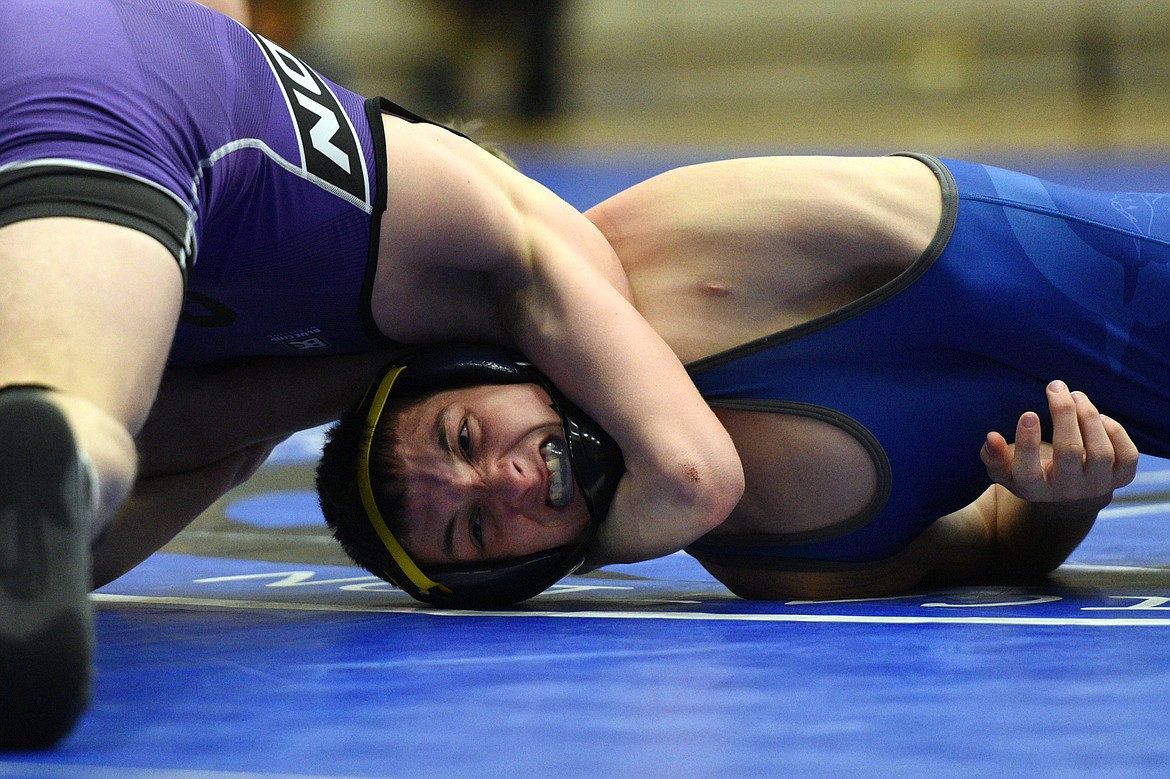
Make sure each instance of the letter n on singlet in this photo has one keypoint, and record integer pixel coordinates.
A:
(330, 149)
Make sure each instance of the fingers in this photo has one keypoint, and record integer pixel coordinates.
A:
(1110, 455)
(1027, 475)
(1125, 452)
(1068, 448)
(1098, 449)
(1018, 466)
(1090, 455)
(997, 456)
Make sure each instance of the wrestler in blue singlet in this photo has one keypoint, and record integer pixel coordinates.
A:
(262, 177)
(1026, 282)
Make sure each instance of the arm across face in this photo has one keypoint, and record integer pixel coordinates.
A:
(649, 401)
(512, 264)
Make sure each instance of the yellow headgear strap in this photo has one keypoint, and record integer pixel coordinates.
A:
(412, 571)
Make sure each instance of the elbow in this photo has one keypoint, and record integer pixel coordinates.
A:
(709, 489)
(732, 486)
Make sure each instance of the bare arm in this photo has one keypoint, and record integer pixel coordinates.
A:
(161, 506)
(511, 262)
(683, 475)
(210, 430)
(203, 415)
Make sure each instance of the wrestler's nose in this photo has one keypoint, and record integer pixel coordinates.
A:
(512, 486)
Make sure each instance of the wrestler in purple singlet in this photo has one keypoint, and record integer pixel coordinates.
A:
(261, 176)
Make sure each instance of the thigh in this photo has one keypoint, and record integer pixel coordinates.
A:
(88, 308)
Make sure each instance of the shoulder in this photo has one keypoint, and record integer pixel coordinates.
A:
(446, 199)
(461, 228)
(445, 191)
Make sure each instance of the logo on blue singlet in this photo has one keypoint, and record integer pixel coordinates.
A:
(330, 149)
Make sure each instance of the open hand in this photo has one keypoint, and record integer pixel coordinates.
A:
(1090, 455)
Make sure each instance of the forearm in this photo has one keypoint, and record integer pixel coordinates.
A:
(1033, 539)
(203, 415)
(161, 506)
(683, 472)
(998, 538)
(210, 430)
(648, 521)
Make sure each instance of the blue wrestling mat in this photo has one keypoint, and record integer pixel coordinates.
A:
(220, 667)
(251, 649)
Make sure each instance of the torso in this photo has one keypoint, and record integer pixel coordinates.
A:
(879, 396)
(696, 266)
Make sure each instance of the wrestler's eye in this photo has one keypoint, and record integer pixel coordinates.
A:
(476, 527)
(463, 438)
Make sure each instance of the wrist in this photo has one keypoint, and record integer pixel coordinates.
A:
(1068, 509)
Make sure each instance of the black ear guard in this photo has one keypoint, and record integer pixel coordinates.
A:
(595, 459)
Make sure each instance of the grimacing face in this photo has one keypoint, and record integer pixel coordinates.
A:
(487, 475)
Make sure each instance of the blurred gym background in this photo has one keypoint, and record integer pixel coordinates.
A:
(957, 77)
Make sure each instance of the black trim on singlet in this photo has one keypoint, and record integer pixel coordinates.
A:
(767, 550)
(44, 190)
(366, 308)
(942, 236)
(389, 107)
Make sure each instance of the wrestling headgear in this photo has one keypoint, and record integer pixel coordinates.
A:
(594, 457)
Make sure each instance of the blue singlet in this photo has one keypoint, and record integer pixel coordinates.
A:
(1027, 281)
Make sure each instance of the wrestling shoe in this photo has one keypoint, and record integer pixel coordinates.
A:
(46, 623)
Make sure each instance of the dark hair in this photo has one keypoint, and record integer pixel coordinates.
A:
(337, 484)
